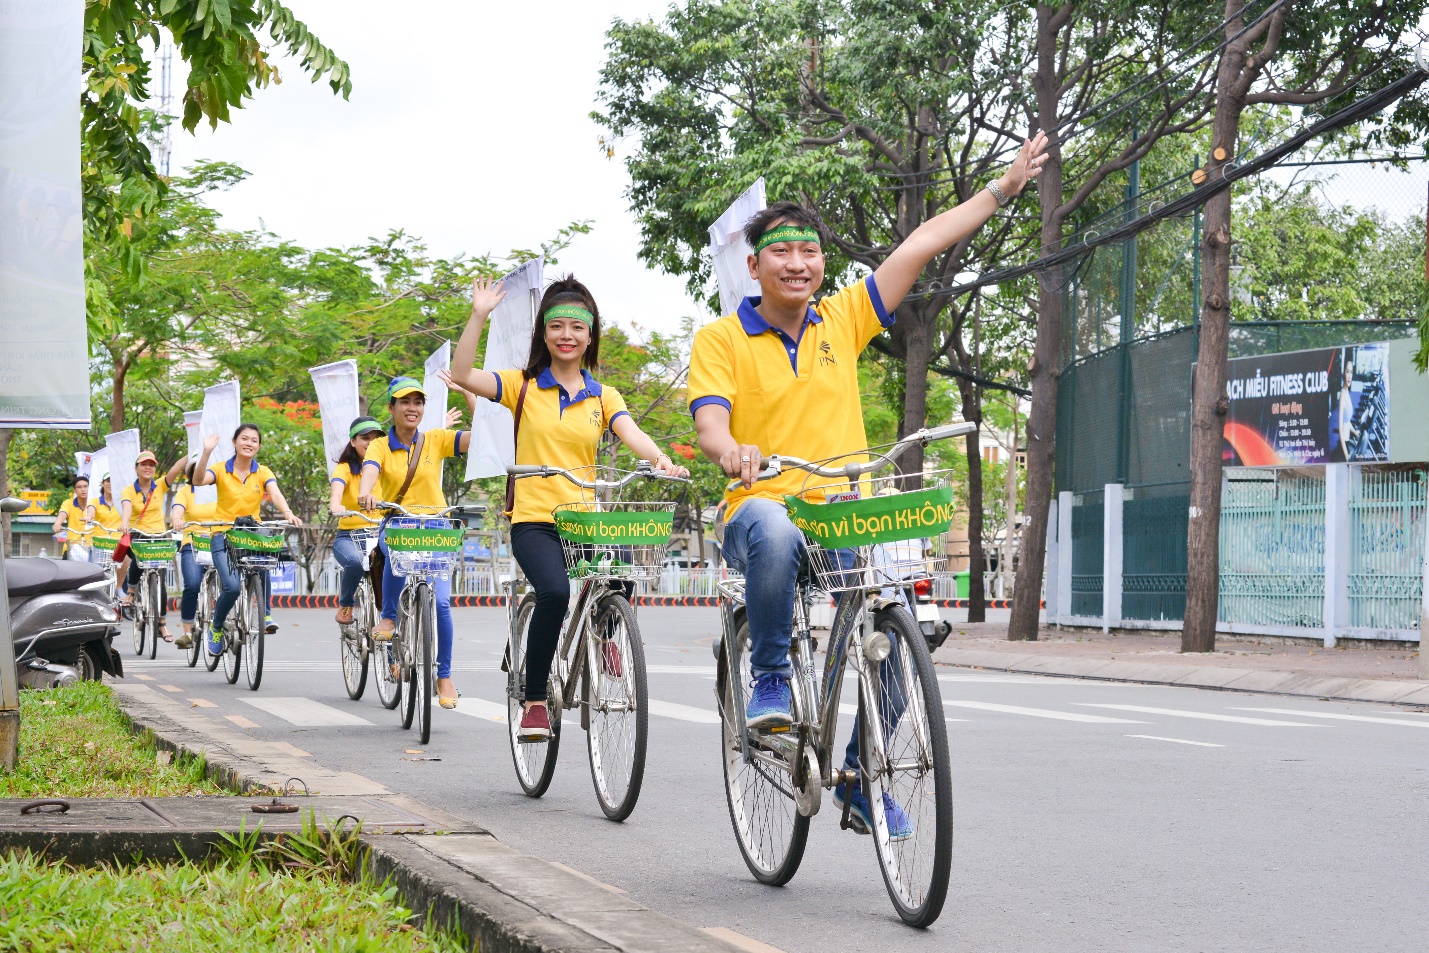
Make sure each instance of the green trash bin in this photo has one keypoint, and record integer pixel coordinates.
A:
(962, 581)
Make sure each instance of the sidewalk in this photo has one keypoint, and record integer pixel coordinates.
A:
(1372, 675)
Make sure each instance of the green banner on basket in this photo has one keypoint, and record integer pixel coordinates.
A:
(582, 526)
(878, 519)
(202, 544)
(105, 544)
(154, 549)
(413, 540)
(254, 542)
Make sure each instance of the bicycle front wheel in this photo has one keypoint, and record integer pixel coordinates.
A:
(352, 646)
(141, 618)
(154, 591)
(616, 696)
(768, 827)
(535, 761)
(253, 638)
(904, 767)
(423, 685)
(203, 618)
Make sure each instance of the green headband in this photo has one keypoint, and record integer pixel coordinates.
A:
(570, 311)
(786, 233)
(363, 426)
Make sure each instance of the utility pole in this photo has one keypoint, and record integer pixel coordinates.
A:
(9, 685)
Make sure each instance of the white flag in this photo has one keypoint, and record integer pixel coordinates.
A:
(98, 470)
(222, 413)
(82, 463)
(508, 345)
(731, 252)
(434, 417)
(123, 450)
(338, 403)
(193, 430)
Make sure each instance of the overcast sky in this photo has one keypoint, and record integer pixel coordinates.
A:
(468, 125)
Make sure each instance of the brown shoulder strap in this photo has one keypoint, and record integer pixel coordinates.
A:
(413, 459)
(515, 435)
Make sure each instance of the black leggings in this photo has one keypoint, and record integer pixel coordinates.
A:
(537, 549)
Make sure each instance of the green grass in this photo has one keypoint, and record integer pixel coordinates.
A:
(75, 742)
(236, 905)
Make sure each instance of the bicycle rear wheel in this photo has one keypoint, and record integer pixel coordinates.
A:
(203, 617)
(535, 761)
(768, 827)
(914, 852)
(402, 645)
(141, 619)
(423, 670)
(154, 592)
(617, 707)
(253, 640)
(352, 646)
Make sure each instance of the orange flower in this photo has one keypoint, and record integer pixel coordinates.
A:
(684, 450)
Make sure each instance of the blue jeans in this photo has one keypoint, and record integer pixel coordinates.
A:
(348, 554)
(229, 580)
(193, 578)
(391, 595)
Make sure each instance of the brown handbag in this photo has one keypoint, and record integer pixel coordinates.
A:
(515, 434)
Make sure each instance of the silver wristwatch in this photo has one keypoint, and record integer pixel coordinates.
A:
(1002, 197)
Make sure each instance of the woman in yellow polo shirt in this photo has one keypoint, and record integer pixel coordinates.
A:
(102, 512)
(562, 420)
(141, 508)
(346, 481)
(186, 509)
(241, 483)
(384, 470)
(71, 518)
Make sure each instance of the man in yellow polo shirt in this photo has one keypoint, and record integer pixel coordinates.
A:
(70, 518)
(780, 376)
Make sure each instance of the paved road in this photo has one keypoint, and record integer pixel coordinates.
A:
(1090, 816)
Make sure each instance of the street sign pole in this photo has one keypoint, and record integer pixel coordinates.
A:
(9, 685)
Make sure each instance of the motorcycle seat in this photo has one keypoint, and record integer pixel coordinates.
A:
(36, 575)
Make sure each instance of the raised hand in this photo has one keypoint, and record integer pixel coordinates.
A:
(1027, 166)
(453, 418)
(210, 443)
(445, 376)
(486, 294)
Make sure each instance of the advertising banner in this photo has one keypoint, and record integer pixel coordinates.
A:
(508, 345)
(336, 386)
(222, 413)
(193, 431)
(1329, 405)
(731, 252)
(44, 347)
(123, 451)
(434, 417)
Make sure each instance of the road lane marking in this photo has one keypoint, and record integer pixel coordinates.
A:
(201, 703)
(700, 716)
(143, 678)
(1045, 713)
(1179, 741)
(171, 688)
(739, 940)
(1338, 717)
(242, 722)
(1204, 716)
(481, 708)
(304, 712)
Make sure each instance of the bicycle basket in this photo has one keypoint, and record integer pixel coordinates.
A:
(875, 534)
(422, 544)
(203, 549)
(257, 547)
(154, 553)
(625, 540)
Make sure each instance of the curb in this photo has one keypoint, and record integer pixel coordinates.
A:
(1251, 681)
(455, 874)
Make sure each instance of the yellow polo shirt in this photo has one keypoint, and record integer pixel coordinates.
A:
(391, 456)
(152, 521)
(350, 481)
(74, 521)
(106, 515)
(793, 397)
(557, 430)
(240, 494)
(194, 513)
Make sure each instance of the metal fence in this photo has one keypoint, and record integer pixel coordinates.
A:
(1386, 549)
(1153, 581)
(1272, 557)
(1088, 532)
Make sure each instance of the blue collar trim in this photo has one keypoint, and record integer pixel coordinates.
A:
(395, 443)
(754, 323)
(546, 380)
(234, 459)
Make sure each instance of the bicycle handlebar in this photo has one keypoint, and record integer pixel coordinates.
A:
(643, 469)
(851, 471)
(463, 508)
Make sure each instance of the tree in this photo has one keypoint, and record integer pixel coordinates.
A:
(1294, 54)
(879, 114)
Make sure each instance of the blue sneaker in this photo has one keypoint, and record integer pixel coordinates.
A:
(215, 640)
(899, 826)
(269, 626)
(769, 703)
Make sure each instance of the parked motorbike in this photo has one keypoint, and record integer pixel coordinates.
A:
(63, 621)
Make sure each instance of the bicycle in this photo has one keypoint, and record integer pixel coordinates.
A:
(356, 647)
(600, 661)
(207, 596)
(774, 779)
(419, 548)
(255, 550)
(152, 553)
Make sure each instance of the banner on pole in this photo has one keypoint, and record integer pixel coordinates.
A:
(193, 432)
(82, 463)
(338, 403)
(508, 345)
(731, 252)
(44, 351)
(98, 470)
(222, 413)
(434, 417)
(123, 451)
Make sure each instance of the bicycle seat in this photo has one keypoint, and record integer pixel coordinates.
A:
(37, 575)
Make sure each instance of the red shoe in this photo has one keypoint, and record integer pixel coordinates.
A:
(535, 724)
(610, 658)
